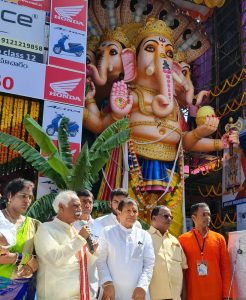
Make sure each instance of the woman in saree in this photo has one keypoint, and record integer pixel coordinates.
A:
(17, 263)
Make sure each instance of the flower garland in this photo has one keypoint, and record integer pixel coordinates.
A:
(234, 106)
(212, 191)
(228, 84)
(221, 222)
(13, 111)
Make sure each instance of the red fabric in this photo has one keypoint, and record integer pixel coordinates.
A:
(84, 283)
(215, 285)
(111, 175)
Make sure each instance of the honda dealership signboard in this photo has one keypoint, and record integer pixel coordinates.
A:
(67, 43)
(22, 32)
(67, 48)
(52, 116)
(66, 86)
(69, 13)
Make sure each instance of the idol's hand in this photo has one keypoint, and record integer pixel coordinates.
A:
(120, 100)
(138, 294)
(228, 138)
(92, 89)
(208, 128)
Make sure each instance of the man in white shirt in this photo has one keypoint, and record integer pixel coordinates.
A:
(115, 198)
(58, 246)
(86, 200)
(125, 257)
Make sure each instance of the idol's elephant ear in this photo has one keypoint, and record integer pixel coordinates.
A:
(129, 64)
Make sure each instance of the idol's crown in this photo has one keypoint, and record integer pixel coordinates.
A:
(92, 43)
(180, 56)
(153, 27)
(118, 34)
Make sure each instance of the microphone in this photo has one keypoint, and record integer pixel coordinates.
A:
(88, 240)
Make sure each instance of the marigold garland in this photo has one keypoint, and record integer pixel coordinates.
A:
(12, 112)
(211, 191)
(228, 84)
(234, 106)
(221, 222)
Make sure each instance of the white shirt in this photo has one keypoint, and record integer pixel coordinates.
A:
(8, 230)
(91, 259)
(126, 257)
(57, 245)
(108, 220)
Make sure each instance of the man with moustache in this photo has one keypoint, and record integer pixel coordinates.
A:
(58, 246)
(115, 197)
(125, 257)
(208, 275)
(170, 260)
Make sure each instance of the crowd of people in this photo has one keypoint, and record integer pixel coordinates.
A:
(111, 258)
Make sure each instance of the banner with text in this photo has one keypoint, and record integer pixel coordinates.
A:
(21, 77)
(37, 4)
(22, 32)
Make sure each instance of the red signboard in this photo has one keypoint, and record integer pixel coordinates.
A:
(37, 4)
(70, 13)
(64, 86)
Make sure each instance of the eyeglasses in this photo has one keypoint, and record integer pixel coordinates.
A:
(166, 216)
(25, 196)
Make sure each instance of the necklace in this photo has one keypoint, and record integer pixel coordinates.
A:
(12, 219)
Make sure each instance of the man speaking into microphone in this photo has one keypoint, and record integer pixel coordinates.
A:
(58, 246)
(86, 199)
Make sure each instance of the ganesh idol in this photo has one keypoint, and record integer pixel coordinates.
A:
(146, 97)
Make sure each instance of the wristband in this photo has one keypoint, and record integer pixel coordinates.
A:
(115, 118)
(19, 258)
(85, 114)
(217, 145)
(196, 136)
(90, 100)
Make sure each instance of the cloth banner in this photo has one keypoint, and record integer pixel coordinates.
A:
(237, 251)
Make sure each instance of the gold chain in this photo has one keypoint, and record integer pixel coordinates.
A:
(141, 102)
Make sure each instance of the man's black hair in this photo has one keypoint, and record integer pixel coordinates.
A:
(84, 193)
(194, 208)
(125, 202)
(118, 192)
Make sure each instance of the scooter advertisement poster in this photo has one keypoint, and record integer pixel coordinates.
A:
(67, 48)
(53, 114)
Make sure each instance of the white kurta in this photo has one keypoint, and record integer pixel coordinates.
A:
(91, 259)
(126, 257)
(57, 245)
(7, 229)
(108, 220)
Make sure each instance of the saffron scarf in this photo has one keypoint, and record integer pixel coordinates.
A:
(84, 283)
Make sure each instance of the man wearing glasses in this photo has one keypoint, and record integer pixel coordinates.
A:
(170, 260)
